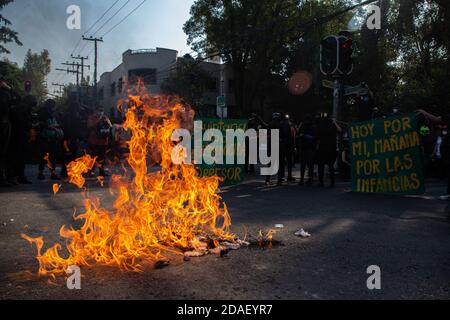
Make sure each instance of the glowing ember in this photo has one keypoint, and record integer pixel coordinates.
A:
(47, 158)
(101, 181)
(154, 213)
(56, 188)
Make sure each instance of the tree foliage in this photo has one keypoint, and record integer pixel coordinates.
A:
(36, 67)
(7, 35)
(266, 41)
(12, 74)
(188, 80)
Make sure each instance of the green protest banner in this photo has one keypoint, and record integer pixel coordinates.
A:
(386, 156)
(233, 173)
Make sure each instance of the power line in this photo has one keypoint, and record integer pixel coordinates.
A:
(90, 28)
(129, 14)
(102, 16)
(115, 14)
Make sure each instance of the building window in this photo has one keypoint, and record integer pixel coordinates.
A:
(113, 89)
(146, 75)
(120, 86)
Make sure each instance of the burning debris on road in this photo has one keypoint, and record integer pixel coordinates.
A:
(155, 213)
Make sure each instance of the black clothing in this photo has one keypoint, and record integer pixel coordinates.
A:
(20, 133)
(445, 149)
(5, 129)
(326, 152)
(308, 144)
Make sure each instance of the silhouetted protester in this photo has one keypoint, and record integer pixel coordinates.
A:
(326, 152)
(308, 144)
(21, 123)
(438, 166)
(445, 146)
(99, 136)
(5, 130)
(275, 124)
(428, 141)
(51, 136)
(287, 148)
(251, 124)
(74, 132)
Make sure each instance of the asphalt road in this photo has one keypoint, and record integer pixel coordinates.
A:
(407, 237)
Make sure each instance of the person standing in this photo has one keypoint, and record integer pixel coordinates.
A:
(20, 136)
(307, 133)
(287, 148)
(50, 137)
(445, 146)
(5, 130)
(326, 152)
(73, 134)
(251, 124)
(99, 136)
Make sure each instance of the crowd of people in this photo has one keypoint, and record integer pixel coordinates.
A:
(315, 143)
(55, 138)
(311, 142)
(319, 141)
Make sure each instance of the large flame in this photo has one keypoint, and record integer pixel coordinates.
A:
(155, 211)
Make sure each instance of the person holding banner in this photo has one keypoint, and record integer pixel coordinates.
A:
(445, 146)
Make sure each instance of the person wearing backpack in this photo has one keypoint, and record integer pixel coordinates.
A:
(99, 137)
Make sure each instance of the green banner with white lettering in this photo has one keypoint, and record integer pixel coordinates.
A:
(386, 156)
(230, 173)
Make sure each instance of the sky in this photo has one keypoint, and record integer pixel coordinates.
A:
(41, 24)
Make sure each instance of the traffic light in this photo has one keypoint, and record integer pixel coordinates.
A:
(27, 86)
(329, 51)
(345, 65)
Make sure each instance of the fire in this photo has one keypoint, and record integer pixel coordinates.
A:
(77, 168)
(56, 188)
(155, 212)
(101, 181)
(47, 158)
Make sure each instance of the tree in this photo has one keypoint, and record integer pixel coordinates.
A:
(36, 67)
(189, 81)
(406, 63)
(256, 37)
(13, 75)
(7, 35)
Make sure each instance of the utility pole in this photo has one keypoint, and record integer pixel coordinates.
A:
(77, 71)
(82, 64)
(95, 40)
(61, 87)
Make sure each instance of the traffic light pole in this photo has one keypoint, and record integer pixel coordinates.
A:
(336, 98)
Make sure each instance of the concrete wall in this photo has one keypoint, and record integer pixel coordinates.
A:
(160, 59)
(164, 61)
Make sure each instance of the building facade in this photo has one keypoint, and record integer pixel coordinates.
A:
(154, 66)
